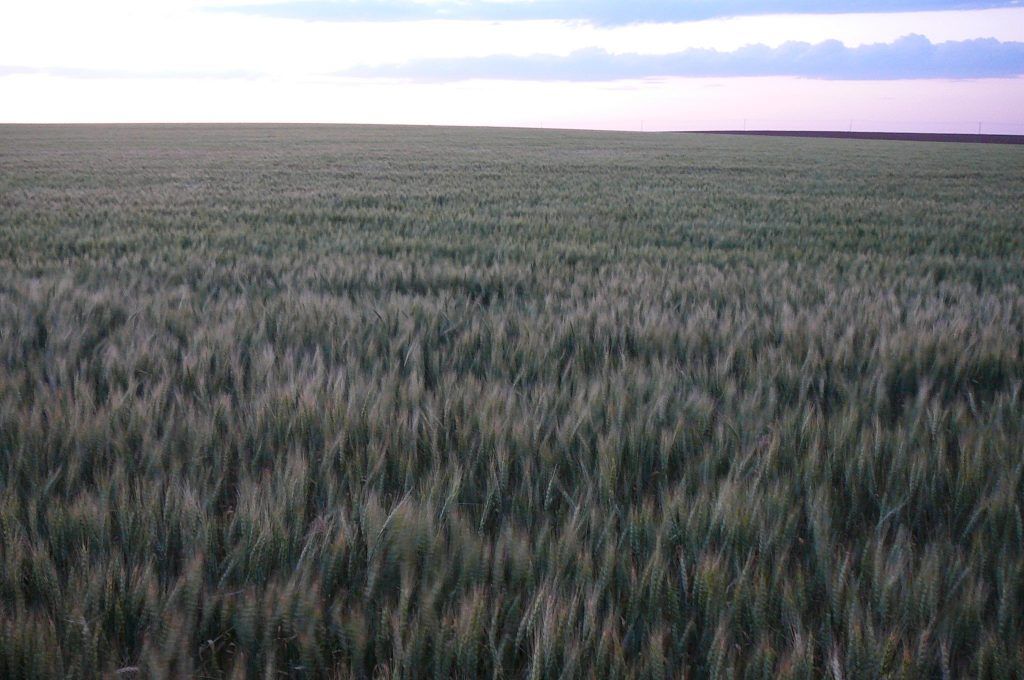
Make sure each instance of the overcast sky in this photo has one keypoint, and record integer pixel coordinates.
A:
(928, 65)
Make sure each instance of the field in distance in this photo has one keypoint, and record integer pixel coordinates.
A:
(428, 402)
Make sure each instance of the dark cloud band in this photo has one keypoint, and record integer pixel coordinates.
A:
(605, 12)
(911, 57)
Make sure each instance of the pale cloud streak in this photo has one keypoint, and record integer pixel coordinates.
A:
(109, 73)
(603, 12)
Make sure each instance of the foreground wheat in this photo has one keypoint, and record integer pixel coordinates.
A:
(452, 403)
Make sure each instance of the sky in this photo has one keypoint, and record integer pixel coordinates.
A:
(915, 65)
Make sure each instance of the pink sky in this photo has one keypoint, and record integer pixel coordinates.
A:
(175, 61)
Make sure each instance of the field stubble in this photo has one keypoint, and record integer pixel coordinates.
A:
(331, 401)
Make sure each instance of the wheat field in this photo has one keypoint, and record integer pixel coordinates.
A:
(452, 403)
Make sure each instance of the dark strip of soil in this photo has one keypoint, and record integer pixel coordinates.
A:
(890, 136)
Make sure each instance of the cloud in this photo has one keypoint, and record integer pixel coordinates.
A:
(603, 12)
(910, 57)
